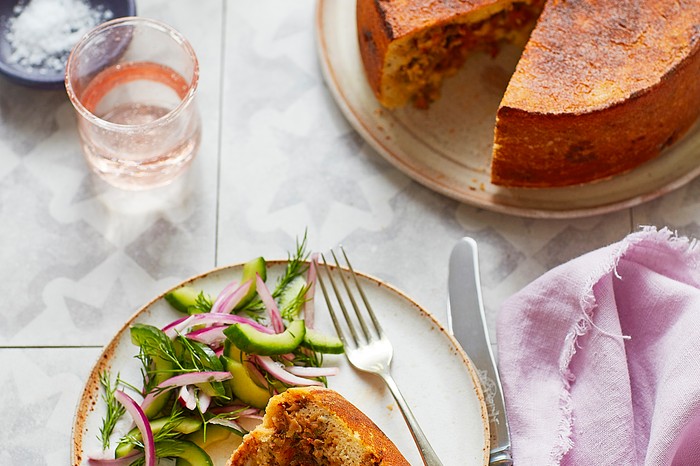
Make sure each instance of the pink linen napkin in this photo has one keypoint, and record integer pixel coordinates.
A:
(600, 357)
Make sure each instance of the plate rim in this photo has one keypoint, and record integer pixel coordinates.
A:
(90, 393)
(343, 103)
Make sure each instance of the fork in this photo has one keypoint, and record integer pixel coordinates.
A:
(370, 350)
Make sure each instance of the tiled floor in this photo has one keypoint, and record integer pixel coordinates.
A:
(77, 257)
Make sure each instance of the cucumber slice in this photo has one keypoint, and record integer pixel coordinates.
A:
(250, 268)
(163, 370)
(250, 340)
(182, 298)
(215, 434)
(322, 342)
(244, 387)
(212, 389)
(231, 351)
(289, 305)
(187, 453)
(184, 425)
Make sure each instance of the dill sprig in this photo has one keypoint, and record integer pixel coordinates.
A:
(203, 304)
(307, 357)
(296, 266)
(146, 363)
(196, 357)
(126, 384)
(292, 308)
(114, 409)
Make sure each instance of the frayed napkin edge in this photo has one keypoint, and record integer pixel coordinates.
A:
(683, 245)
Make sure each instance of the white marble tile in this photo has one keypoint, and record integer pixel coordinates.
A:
(41, 388)
(85, 256)
(289, 160)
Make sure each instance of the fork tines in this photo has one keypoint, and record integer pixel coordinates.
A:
(367, 334)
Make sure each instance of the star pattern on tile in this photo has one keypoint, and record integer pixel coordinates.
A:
(56, 249)
(319, 177)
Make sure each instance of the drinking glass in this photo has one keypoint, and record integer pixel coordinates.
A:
(133, 83)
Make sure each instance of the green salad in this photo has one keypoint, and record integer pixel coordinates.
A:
(216, 365)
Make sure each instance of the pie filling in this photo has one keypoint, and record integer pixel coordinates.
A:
(437, 52)
(302, 436)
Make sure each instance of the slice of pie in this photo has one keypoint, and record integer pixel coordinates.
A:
(315, 427)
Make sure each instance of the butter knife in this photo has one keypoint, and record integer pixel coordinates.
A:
(466, 321)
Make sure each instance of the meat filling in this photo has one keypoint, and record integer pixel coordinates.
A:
(441, 51)
(308, 437)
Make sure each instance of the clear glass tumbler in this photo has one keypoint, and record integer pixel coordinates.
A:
(133, 83)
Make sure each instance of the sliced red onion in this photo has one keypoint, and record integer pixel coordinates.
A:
(191, 378)
(239, 409)
(219, 352)
(142, 424)
(309, 313)
(179, 326)
(253, 413)
(123, 461)
(228, 289)
(209, 319)
(270, 304)
(226, 423)
(226, 305)
(174, 323)
(277, 370)
(312, 371)
(210, 336)
(187, 398)
(204, 401)
(257, 417)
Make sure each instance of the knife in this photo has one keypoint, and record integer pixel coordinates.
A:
(466, 321)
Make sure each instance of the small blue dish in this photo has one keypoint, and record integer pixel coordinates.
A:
(35, 76)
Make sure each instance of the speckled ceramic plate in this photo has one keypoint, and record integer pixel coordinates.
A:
(433, 372)
(448, 147)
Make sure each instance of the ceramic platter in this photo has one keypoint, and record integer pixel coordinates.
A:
(433, 372)
(448, 147)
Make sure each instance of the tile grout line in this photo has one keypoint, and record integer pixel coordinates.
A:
(222, 61)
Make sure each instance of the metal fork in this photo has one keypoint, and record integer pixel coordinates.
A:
(370, 350)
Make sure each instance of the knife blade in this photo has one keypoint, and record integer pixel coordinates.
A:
(467, 322)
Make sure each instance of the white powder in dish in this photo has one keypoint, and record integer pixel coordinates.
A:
(41, 33)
